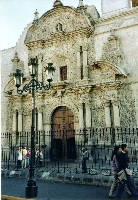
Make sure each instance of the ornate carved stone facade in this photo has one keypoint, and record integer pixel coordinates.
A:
(100, 54)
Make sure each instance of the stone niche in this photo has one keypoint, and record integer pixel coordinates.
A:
(113, 6)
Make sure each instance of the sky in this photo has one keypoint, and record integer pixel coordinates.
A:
(16, 14)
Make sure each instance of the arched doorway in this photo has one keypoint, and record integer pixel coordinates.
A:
(62, 137)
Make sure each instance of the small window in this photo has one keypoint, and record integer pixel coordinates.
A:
(59, 27)
(63, 73)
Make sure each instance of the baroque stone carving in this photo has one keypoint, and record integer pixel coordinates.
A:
(127, 107)
(111, 50)
(62, 17)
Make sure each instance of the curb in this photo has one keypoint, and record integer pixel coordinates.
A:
(5, 197)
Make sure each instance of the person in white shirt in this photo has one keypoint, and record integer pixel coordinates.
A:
(19, 158)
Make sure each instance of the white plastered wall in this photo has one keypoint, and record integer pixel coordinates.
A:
(112, 6)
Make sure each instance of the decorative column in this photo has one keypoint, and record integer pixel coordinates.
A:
(20, 121)
(40, 68)
(81, 116)
(40, 120)
(85, 67)
(14, 121)
(116, 114)
(78, 65)
(107, 114)
(88, 115)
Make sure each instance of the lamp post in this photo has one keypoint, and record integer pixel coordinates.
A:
(33, 86)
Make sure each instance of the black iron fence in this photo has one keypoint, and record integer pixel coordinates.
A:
(62, 149)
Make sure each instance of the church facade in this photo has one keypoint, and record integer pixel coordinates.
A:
(95, 84)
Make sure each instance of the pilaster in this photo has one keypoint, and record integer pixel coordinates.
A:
(107, 114)
(81, 118)
(88, 115)
(20, 120)
(116, 113)
(14, 121)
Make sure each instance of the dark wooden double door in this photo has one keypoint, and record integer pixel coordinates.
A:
(62, 137)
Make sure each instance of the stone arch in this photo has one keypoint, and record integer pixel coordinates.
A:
(62, 133)
(72, 107)
(118, 70)
(106, 72)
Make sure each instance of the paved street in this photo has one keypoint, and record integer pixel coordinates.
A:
(55, 191)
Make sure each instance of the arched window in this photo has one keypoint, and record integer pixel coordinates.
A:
(59, 27)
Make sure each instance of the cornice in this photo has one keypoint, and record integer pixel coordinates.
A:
(109, 85)
(61, 36)
(117, 15)
(59, 85)
(117, 28)
(15, 98)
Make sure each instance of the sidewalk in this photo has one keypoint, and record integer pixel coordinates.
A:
(62, 174)
(95, 177)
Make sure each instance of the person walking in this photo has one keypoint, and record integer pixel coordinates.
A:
(115, 170)
(123, 166)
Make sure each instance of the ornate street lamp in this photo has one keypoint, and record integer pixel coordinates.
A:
(33, 86)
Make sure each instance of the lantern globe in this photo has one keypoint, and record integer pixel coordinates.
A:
(33, 66)
(49, 72)
(18, 78)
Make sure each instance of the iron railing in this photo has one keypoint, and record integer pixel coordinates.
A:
(61, 151)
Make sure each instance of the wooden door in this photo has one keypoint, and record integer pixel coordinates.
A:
(63, 139)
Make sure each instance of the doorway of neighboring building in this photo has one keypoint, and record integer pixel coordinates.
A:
(62, 137)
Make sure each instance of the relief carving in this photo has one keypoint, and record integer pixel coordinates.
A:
(111, 50)
(127, 107)
(58, 20)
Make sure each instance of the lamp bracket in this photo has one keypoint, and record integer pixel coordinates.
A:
(37, 85)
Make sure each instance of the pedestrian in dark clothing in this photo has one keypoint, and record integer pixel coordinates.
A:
(84, 158)
(123, 166)
(115, 170)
